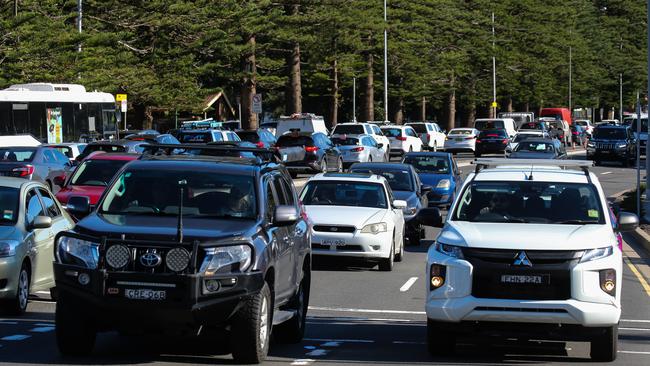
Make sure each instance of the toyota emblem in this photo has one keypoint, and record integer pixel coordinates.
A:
(150, 259)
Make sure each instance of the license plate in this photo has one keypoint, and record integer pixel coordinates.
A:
(526, 279)
(604, 151)
(459, 140)
(335, 243)
(145, 294)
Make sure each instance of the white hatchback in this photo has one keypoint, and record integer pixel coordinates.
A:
(528, 249)
(461, 139)
(403, 139)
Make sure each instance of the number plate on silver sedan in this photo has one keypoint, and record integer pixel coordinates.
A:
(532, 279)
(334, 242)
(145, 294)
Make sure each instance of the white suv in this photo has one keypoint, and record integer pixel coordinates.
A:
(403, 139)
(356, 128)
(431, 135)
(528, 248)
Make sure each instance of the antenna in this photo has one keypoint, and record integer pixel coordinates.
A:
(179, 228)
(530, 176)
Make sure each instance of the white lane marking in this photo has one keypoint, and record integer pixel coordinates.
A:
(635, 321)
(371, 311)
(635, 352)
(636, 329)
(408, 284)
(310, 347)
(408, 342)
(316, 319)
(331, 344)
(302, 362)
(340, 340)
(17, 337)
(8, 323)
(317, 352)
(44, 324)
(605, 173)
(42, 329)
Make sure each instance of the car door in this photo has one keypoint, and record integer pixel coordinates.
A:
(375, 152)
(440, 136)
(280, 244)
(295, 231)
(414, 141)
(59, 223)
(38, 241)
(395, 214)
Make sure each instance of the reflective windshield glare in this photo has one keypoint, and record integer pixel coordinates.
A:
(344, 194)
(535, 202)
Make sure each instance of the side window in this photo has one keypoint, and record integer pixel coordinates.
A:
(285, 194)
(368, 130)
(431, 128)
(377, 130)
(50, 205)
(270, 201)
(410, 132)
(217, 136)
(60, 157)
(369, 141)
(234, 137)
(33, 206)
(48, 156)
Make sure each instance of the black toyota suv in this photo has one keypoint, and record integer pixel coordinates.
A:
(610, 142)
(181, 243)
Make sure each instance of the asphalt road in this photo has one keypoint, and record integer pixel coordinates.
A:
(357, 315)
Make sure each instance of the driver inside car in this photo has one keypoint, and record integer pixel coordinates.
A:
(500, 204)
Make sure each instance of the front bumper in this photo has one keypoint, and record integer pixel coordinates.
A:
(9, 270)
(356, 244)
(184, 307)
(309, 164)
(606, 154)
(440, 197)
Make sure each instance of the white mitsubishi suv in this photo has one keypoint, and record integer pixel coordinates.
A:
(527, 251)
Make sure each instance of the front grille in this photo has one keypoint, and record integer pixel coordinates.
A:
(334, 229)
(605, 146)
(554, 267)
(148, 258)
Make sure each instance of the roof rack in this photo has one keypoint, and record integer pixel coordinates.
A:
(483, 163)
(214, 149)
(201, 125)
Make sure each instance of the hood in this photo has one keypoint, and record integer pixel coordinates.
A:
(404, 195)
(531, 155)
(537, 236)
(344, 216)
(145, 227)
(92, 192)
(7, 232)
(433, 179)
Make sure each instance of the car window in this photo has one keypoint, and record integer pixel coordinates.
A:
(609, 133)
(399, 180)
(270, 202)
(33, 207)
(535, 146)
(485, 125)
(96, 172)
(60, 157)
(290, 141)
(348, 129)
(326, 141)
(392, 132)
(418, 127)
(429, 164)
(377, 130)
(197, 137)
(50, 205)
(48, 156)
(369, 141)
(411, 132)
(19, 154)
(9, 205)
(355, 194)
(345, 141)
(65, 150)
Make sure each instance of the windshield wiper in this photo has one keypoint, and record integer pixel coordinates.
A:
(576, 222)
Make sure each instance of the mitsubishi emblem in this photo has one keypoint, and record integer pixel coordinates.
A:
(521, 259)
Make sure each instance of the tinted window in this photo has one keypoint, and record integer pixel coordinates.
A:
(34, 207)
(96, 172)
(535, 146)
(50, 205)
(610, 133)
(9, 205)
(411, 132)
(392, 132)
(644, 125)
(65, 150)
(288, 141)
(270, 203)
(348, 129)
(345, 141)
(399, 180)
(20, 154)
(485, 125)
(196, 137)
(419, 127)
(328, 193)
(429, 164)
(250, 136)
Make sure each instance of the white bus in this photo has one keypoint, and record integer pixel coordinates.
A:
(56, 113)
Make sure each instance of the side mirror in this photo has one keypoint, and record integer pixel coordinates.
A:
(430, 217)
(627, 221)
(425, 189)
(285, 215)
(59, 180)
(41, 222)
(400, 204)
(380, 145)
(78, 205)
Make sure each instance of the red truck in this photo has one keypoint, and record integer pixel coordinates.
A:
(557, 113)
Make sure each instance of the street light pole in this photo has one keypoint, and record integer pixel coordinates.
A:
(494, 73)
(570, 78)
(647, 160)
(354, 99)
(15, 8)
(620, 90)
(80, 11)
(386, 64)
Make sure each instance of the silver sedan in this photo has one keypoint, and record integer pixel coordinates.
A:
(359, 149)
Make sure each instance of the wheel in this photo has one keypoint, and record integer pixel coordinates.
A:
(439, 343)
(18, 305)
(414, 238)
(251, 328)
(400, 255)
(597, 162)
(75, 332)
(339, 167)
(605, 346)
(386, 264)
(323, 165)
(293, 330)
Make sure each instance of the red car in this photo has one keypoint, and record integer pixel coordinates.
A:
(92, 176)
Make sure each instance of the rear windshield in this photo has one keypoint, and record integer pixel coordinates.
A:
(486, 125)
(198, 137)
(345, 141)
(8, 205)
(250, 136)
(460, 132)
(531, 126)
(419, 127)
(349, 129)
(521, 137)
(289, 141)
(610, 133)
(18, 154)
(535, 146)
(392, 132)
(96, 172)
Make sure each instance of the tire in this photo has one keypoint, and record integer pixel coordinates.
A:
(386, 264)
(18, 305)
(251, 328)
(293, 330)
(75, 333)
(439, 343)
(414, 238)
(605, 346)
(323, 165)
(400, 255)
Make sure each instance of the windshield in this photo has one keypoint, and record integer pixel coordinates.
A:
(8, 205)
(610, 134)
(206, 194)
(429, 164)
(535, 146)
(399, 180)
(486, 125)
(18, 154)
(521, 137)
(96, 172)
(526, 201)
(392, 132)
(356, 194)
(198, 137)
(345, 141)
(348, 129)
(419, 127)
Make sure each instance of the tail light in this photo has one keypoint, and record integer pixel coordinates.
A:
(311, 149)
(478, 141)
(470, 138)
(24, 171)
(357, 149)
(505, 141)
(260, 144)
(401, 138)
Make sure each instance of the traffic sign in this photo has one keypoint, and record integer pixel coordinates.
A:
(494, 104)
(123, 106)
(257, 103)
(120, 97)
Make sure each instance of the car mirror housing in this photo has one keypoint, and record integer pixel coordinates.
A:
(41, 222)
(400, 204)
(430, 217)
(79, 205)
(285, 215)
(425, 189)
(59, 180)
(627, 221)
(380, 145)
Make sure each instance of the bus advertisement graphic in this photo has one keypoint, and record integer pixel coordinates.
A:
(54, 126)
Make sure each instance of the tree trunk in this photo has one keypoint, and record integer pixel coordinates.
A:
(248, 85)
(368, 105)
(148, 122)
(527, 107)
(510, 104)
(451, 116)
(334, 103)
(423, 111)
(471, 115)
(398, 115)
(294, 86)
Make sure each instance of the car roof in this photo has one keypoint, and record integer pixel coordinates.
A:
(617, 127)
(545, 140)
(12, 182)
(222, 164)
(382, 166)
(521, 173)
(352, 123)
(114, 156)
(351, 177)
(393, 126)
(429, 153)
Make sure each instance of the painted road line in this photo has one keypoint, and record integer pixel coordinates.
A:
(302, 362)
(605, 173)
(17, 337)
(370, 311)
(42, 329)
(635, 321)
(340, 340)
(639, 277)
(635, 352)
(635, 329)
(408, 284)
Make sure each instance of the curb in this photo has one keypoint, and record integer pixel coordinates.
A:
(642, 238)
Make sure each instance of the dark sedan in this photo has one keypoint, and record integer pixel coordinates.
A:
(261, 137)
(310, 152)
(39, 163)
(116, 146)
(492, 142)
(406, 186)
(539, 149)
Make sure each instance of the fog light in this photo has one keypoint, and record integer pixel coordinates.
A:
(437, 281)
(212, 285)
(375, 247)
(84, 279)
(608, 281)
(438, 274)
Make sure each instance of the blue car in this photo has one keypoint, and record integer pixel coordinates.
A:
(438, 170)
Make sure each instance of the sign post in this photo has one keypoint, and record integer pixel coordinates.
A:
(257, 103)
(121, 98)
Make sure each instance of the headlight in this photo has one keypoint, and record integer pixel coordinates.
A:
(449, 250)
(444, 184)
(78, 252)
(377, 228)
(621, 146)
(228, 259)
(8, 248)
(591, 144)
(595, 254)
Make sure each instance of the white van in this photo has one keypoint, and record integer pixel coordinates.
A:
(507, 124)
(305, 122)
